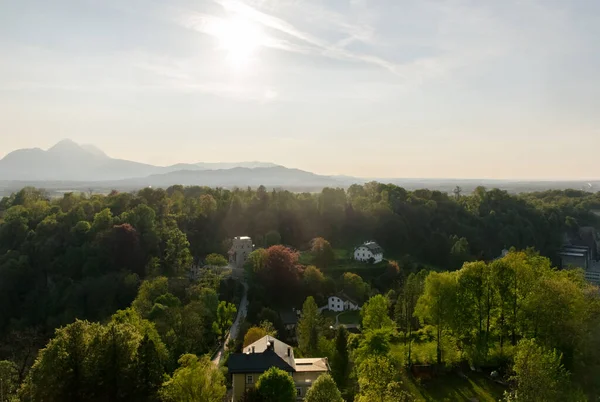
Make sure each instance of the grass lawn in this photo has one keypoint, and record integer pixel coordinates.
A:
(349, 317)
(329, 314)
(452, 387)
(345, 263)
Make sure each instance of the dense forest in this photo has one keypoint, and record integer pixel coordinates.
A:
(112, 272)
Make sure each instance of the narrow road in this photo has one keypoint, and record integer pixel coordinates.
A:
(233, 332)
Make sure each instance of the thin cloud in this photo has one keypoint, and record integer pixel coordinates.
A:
(301, 41)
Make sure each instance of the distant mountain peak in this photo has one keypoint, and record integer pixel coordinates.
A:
(64, 145)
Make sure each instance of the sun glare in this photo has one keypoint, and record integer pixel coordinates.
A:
(240, 39)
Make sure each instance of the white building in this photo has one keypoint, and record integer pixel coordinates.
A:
(341, 302)
(369, 251)
(241, 248)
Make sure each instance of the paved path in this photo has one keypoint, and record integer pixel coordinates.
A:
(348, 326)
(233, 332)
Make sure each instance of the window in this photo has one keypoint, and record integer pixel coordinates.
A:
(298, 391)
(249, 379)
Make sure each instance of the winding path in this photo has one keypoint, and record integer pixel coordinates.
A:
(233, 332)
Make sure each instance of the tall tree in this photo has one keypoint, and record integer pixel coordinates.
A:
(437, 304)
(475, 301)
(375, 314)
(149, 370)
(62, 370)
(309, 327)
(225, 316)
(540, 375)
(406, 305)
(340, 364)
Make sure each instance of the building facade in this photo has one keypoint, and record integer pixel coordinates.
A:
(341, 303)
(369, 252)
(245, 368)
(241, 248)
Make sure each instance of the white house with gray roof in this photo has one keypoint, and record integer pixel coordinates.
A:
(369, 251)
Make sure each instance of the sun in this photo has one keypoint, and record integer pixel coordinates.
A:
(240, 39)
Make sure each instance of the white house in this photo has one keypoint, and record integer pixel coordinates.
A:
(341, 302)
(367, 251)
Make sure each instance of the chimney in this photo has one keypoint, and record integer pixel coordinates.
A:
(289, 352)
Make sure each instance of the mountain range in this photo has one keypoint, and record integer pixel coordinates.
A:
(68, 161)
(68, 166)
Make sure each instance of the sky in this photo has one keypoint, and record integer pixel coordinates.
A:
(373, 88)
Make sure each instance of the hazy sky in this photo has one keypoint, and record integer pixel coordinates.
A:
(376, 88)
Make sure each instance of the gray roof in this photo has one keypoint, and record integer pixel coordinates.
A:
(261, 355)
(256, 362)
(288, 317)
(345, 297)
(374, 247)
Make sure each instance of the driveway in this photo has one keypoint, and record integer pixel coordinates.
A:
(233, 331)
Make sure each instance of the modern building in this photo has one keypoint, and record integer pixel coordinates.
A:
(241, 248)
(369, 252)
(267, 352)
(583, 252)
(341, 302)
(575, 257)
(592, 274)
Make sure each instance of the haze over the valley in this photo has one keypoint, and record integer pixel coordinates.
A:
(68, 166)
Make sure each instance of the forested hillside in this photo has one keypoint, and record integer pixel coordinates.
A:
(85, 257)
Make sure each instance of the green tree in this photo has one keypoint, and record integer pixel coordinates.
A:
(314, 280)
(340, 364)
(63, 369)
(437, 304)
(375, 342)
(406, 305)
(323, 390)
(272, 238)
(216, 260)
(376, 382)
(149, 370)
(473, 316)
(177, 258)
(9, 380)
(196, 379)
(275, 385)
(539, 374)
(309, 328)
(355, 287)
(225, 316)
(375, 314)
(149, 291)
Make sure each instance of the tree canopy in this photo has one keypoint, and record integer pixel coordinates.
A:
(275, 385)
